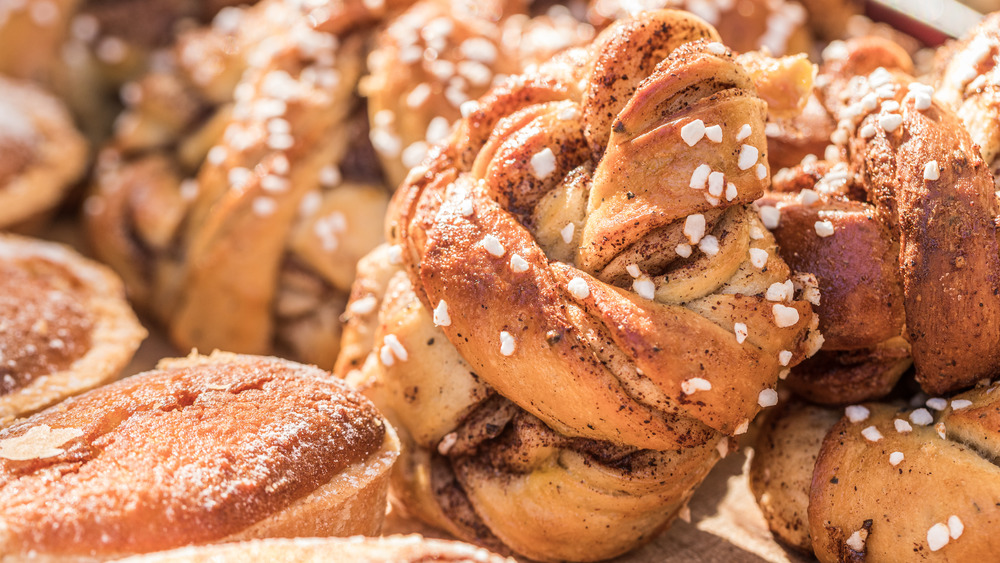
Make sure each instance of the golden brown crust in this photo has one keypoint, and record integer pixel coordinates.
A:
(66, 326)
(889, 483)
(948, 249)
(509, 271)
(838, 377)
(43, 154)
(201, 450)
(862, 296)
(401, 549)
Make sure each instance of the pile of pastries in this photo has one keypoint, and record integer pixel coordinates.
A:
(526, 271)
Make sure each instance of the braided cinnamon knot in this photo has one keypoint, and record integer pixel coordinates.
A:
(236, 198)
(579, 305)
(900, 233)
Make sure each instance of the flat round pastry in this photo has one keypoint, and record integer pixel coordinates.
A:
(240, 189)
(64, 325)
(884, 482)
(388, 549)
(43, 155)
(578, 305)
(200, 450)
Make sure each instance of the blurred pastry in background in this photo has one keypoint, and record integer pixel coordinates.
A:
(42, 155)
(442, 54)
(967, 79)
(64, 325)
(85, 51)
(240, 188)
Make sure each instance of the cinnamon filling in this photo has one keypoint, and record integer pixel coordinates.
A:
(188, 454)
(44, 325)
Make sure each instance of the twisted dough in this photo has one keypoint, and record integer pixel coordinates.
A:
(221, 201)
(544, 406)
(910, 167)
(885, 482)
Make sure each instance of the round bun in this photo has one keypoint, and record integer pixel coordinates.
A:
(201, 450)
(389, 549)
(64, 325)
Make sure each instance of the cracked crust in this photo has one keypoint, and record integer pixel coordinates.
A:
(201, 450)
